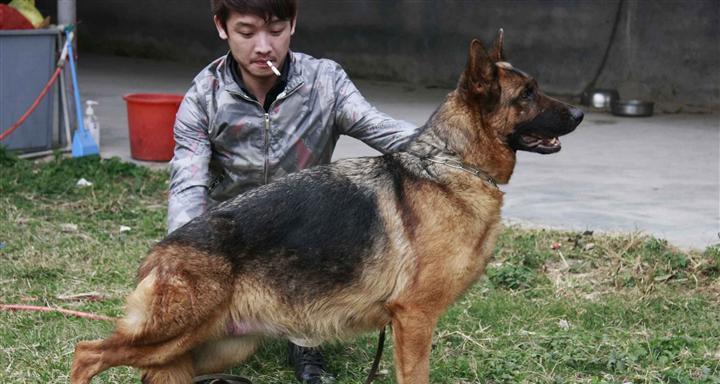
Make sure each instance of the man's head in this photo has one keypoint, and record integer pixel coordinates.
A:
(256, 31)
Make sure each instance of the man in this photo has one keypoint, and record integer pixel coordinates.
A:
(241, 124)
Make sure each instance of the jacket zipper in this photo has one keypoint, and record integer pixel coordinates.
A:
(267, 132)
(266, 165)
(267, 146)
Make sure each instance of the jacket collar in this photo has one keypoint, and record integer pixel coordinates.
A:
(291, 73)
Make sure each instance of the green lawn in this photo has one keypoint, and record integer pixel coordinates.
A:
(600, 309)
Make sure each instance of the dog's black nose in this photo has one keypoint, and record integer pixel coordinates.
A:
(577, 115)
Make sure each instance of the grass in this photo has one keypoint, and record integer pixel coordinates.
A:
(600, 309)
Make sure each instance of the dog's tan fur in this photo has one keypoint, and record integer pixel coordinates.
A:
(195, 312)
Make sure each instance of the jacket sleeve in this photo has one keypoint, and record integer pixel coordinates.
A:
(355, 117)
(189, 168)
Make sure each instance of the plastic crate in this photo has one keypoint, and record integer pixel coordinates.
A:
(27, 60)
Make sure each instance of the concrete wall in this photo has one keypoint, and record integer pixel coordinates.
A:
(666, 50)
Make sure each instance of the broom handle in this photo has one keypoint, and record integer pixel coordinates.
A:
(71, 56)
(63, 95)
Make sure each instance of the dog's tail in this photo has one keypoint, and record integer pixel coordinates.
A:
(179, 288)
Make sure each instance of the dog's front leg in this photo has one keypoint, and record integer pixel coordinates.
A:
(412, 337)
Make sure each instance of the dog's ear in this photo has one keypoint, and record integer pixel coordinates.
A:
(480, 77)
(497, 52)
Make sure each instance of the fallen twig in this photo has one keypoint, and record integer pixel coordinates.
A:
(89, 296)
(86, 315)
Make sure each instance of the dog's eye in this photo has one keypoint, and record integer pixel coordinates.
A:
(527, 94)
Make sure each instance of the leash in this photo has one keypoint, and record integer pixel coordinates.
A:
(378, 356)
(221, 378)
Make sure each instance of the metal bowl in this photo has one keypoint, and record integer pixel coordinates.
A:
(599, 98)
(632, 108)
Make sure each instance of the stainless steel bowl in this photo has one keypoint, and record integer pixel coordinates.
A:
(632, 108)
(599, 98)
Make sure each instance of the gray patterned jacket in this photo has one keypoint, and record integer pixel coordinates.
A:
(226, 143)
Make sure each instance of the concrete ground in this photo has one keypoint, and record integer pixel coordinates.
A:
(659, 175)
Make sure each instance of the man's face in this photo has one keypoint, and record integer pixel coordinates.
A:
(252, 42)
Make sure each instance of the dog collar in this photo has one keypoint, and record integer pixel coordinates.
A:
(452, 163)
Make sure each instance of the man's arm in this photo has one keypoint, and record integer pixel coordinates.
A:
(189, 172)
(355, 117)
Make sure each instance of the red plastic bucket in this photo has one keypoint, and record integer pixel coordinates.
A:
(151, 117)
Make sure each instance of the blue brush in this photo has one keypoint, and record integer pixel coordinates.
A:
(83, 143)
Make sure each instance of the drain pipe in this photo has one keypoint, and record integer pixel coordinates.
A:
(67, 15)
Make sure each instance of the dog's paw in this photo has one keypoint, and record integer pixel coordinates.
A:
(87, 362)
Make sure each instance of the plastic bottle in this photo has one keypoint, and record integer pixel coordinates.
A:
(91, 121)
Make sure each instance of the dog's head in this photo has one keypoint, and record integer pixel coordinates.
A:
(511, 103)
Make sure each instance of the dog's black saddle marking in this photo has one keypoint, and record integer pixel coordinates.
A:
(305, 234)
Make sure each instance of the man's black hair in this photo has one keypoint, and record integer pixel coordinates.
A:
(265, 9)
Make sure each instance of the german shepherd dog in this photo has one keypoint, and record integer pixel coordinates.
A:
(342, 249)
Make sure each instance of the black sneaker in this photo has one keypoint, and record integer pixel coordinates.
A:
(309, 365)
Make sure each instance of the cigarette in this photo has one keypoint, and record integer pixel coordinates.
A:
(274, 69)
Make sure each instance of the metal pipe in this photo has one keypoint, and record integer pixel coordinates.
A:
(67, 15)
(63, 99)
(67, 12)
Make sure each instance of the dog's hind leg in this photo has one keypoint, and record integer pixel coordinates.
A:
(170, 358)
(211, 357)
(87, 362)
(412, 338)
(177, 306)
(166, 358)
(179, 371)
(217, 356)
